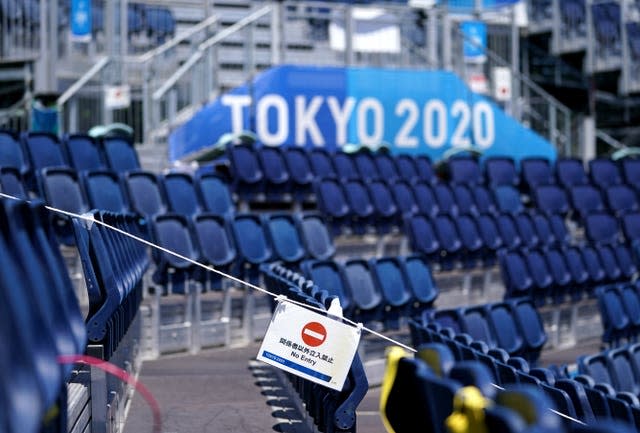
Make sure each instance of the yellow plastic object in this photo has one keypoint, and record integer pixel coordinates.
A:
(394, 355)
(468, 412)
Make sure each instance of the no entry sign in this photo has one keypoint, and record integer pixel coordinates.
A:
(310, 345)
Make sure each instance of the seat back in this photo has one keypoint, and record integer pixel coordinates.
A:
(83, 152)
(536, 171)
(500, 171)
(181, 194)
(315, 236)
(445, 199)
(604, 172)
(465, 170)
(597, 367)
(631, 172)
(476, 323)
(420, 279)
(506, 331)
(366, 296)
(621, 198)
(284, 237)
(551, 199)
(526, 230)
(321, 163)
(358, 198)
(12, 153)
(326, 274)
(570, 172)
(464, 199)
(62, 189)
(215, 240)
(332, 199)
(298, 165)
(425, 199)
(44, 150)
(215, 195)
(488, 230)
(365, 165)
(421, 234)
(12, 183)
(586, 199)
(508, 231)
(391, 280)
(404, 197)
(631, 226)
(104, 191)
(386, 166)
(120, 154)
(483, 200)
(145, 194)
(601, 228)
(507, 199)
(515, 274)
(424, 169)
(250, 238)
(407, 168)
(345, 166)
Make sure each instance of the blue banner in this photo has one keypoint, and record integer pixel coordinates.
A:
(416, 112)
(81, 20)
(475, 41)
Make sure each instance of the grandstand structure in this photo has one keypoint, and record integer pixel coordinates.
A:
(454, 178)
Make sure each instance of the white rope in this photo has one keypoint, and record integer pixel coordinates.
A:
(216, 271)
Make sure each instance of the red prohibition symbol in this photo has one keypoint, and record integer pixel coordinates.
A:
(314, 334)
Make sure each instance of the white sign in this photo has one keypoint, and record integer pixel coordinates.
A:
(310, 345)
(501, 83)
(116, 97)
(375, 31)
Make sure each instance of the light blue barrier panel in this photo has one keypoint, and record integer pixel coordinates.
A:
(416, 112)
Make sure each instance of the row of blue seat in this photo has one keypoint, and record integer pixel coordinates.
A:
(331, 411)
(385, 289)
(620, 312)
(30, 152)
(40, 319)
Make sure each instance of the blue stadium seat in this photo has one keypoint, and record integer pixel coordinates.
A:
(488, 230)
(386, 166)
(445, 199)
(146, 196)
(321, 163)
(604, 172)
(465, 200)
(515, 274)
(473, 247)
(120, 154)
(606, 254)
(507, 199)
(160, 23)
(424, 169)
(530, 325)
(12, 183)
(367, 298)
(551, 199)
(626, 262)
(83, 152)
(535, 172)
(507, 335)
(448, 239)
(614, 319)
(332, 202)
(426, 199)
(560, 230)
(484, 200)
(215, 194)
(345, 166)
(407, 168)
(384, 206)
(366, 166)
(216, 245)
(526, 230)
(300, 173)
(560, 272)
(404, 197)
(360, 205)
(476, 322)
(247, 174)
(631, 303)
(11, 152)
(448, 318)
(597, 367)
(44, 150)
(315, 236)
(464, 170)
(327, 275)
(252, 244)
(422, 236)
(500, 171)
(508, 231)
(104, 191)
(631, 226)
(593, 264)
(575, 391)
(173, 232)
(283, 235)
(631, 172)
(391, 281)
(540, 274)
(586, 199)
(531, 405)
(621, 199)
(181, 194)
(420, 280)
(275, 172)
(623, 371)
(570, 172)
(542, 226)
(601, 228)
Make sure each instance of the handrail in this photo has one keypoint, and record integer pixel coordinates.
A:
(609, 139)
(173, 79)
(177, 39)
(83, 80)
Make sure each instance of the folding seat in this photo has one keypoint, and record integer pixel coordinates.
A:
(367, 298)
(445, 199)
(300, 173)
(426, 199)
(631, 172)
(386, 166)
(473, 248)
(606, 254)
(104, 191)
(181, 194)
(12, 153)
(507, 199)
(551, 199)
(391, 281)
(508, 231)
(625, 260)
(596, 366)
(483, 199)
(365, 165)
(623, 371)
(172, 231)
(507, 335)
(575, 391)
(424, 169)
(621, 199)
(384, 206)
(283, 235)
(83, 152)
(12, 183)
(420, 281)
(327, 275)
(404, 197)
(489, 233)
(252, 244)
(422, 236)
(464, 200)
(561, 402)
(540, 274)
(593, 264)
(321, 163)
(500, 171)
(542, 226)
(216, 245)
(560, 231)
(120, 154)
(585, 199)
(601, 228)
(476, 322)
(562, 277)
(332, 202)
(215, 194)
(146, 196)
(604, 172)
(631, 226)
(535, 172)
(345, 166)
(448, 239)
(526, 230)
(464, 170)
(360, 205)
(531, 328)
(615, 321)
(274, 169)
(44, 150)
(315, 236)
(570, 172)
(515, 274)
(407, 168)
(631, 304)
(449, 318)
(248, 177)
(543, 374)
(532, 405)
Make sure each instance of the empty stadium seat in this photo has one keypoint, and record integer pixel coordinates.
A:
(12, 183)
(328, 275)
(621, 199)
(631, 172)
(315, 236)
(44, 150)
(181, 195)
(386, 165)
(426, 199)
(531, 327)
(321, 163)
(604, 173)
(216, 245)
(365, 165)
(526, 230)
(448, 239)
(246, 172)
(120, 154)
(601, 228)
(500, 171)
(367, 298)
(104, 191)
(404, 198)
(215, 194)
(614, 320)
(508, 231)
(445, 199)
(507, 199)
(551, 199)
(332, 201)
(422, 236)
(464, 170)
(389, 277)
(424, 169)
(345, 166)
(465, 200)
(570, 172)
(83, 152)
(252, 244)
(360, 205)
(275, 171)
(507, 334)
(420, 280)
(11, 151)
(284, 237)
(407, 168)
(586, 199)
(146, 196)
(299, 168)
(535, 172)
